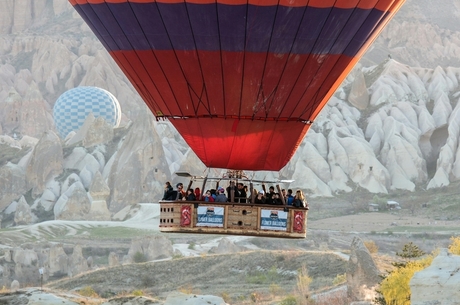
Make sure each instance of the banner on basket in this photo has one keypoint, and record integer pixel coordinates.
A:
(273, 220)
(210, 216)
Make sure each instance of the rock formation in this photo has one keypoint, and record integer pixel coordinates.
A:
(74, 204)
(23, 214)
(99, 192)
(94, 131)
(113, 259)
(12, 184)
(362, 273)
(45, 162)
(438, 283)
(152, 248)
(58, 261)
(140, 158)
(77, 263)
(226, 246)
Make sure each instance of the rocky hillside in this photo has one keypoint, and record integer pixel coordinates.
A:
(392, 126)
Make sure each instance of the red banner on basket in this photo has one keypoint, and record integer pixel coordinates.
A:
(185, 215)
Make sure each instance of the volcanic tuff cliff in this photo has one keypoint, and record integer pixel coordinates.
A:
(393, 124)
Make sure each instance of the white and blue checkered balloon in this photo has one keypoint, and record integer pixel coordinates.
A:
(74, 105)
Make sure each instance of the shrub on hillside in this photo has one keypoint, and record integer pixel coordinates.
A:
(371, 246)
(139, 257)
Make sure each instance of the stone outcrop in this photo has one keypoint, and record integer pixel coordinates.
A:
(74, 204)
(94, 131)
(359, 97)
(23, 214)
(58, 261)
(12, 184)
(226, 246)
(99, 192)
(77, 263)
(141, 160)
(438, 283)
(362, 273)
(46, 162)
(156, 247)
(113, 259)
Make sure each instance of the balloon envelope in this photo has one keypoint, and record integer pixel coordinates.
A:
(240, 80)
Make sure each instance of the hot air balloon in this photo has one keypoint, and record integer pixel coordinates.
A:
(241, 80)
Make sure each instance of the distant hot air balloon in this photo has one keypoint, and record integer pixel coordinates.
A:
(73, 107)
(241, 80)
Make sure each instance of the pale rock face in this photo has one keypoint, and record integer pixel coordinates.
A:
(15, 285)
(47, 200)
(99, 211)
(99, 190)
(75, 157)
(226, 246)
(11, 208)
(35, 117)
(69, 181)
(23, 214)
(45, 162)
(12, 184)
(141, 160)
(359, 97)
(178, 298)
(25, 257)
(26, 263)
(57, 261)
(113, 259)
(86, 177)
(339, 180)
(77, 263)
(11, 111)
(74, 204)
(155, 247)
(94, 131)
(362, 273)
(438, 283)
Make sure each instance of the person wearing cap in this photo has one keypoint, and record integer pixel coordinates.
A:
(221, 195)
(260, 197)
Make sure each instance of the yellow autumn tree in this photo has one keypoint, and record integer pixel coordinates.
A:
(454, 247)
(395, 287)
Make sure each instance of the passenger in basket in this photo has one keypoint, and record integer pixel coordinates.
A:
(260, 197)
(276, 200)
(290, 198)
(231, 188)
(190, 195)
(240, 193)
(180, 192)
(168, 191)
(208, 197)
(271, 193)
(299, 200)
(213, 193)
(221, 195)
(198, 194)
